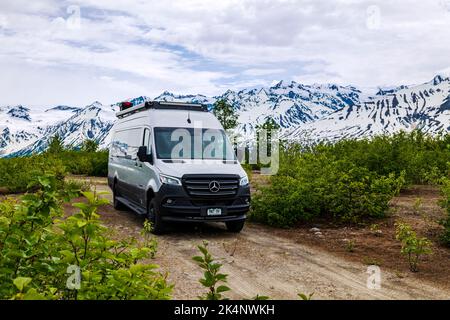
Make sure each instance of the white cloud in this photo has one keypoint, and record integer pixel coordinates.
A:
(262, 71)
(125, 48)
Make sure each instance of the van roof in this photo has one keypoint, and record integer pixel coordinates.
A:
(170, 117)
(128, 108)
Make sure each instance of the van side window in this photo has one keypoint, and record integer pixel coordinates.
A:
(146, 140)
(126, 143)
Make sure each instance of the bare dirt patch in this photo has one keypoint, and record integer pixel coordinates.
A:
(375, 243)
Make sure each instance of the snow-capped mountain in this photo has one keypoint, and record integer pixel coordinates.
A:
(304, 112)
(288, 103)
(425, 107)
(21, 126)
(91, 122)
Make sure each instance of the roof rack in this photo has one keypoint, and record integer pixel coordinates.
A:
(127, 108)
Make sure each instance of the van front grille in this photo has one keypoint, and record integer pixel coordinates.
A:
(208, 186)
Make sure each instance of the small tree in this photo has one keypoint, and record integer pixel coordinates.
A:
(268, 125)
(212, 275)
(412, 247)
(55, 145)
(225, 114)
(89, 145)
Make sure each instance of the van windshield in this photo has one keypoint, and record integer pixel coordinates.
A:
(193, 143)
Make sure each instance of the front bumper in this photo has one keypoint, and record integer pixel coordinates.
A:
(176, 205)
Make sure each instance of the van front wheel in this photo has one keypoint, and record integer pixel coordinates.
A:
(154, 217)
(235, 226)
(116, 203)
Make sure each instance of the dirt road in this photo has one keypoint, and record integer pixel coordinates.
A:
(260, 262)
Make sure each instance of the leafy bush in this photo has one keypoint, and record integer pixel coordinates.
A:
(85, 163)
(349, 180)
(16, 173)
(412, 246)
(422, 157)
(38, 246)
(311, 184)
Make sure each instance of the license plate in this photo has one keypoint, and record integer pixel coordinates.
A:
(214, 212)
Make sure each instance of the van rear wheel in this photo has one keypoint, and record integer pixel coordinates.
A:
(235, 226)
(154, 216)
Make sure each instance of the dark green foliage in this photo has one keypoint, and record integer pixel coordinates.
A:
(225, 114)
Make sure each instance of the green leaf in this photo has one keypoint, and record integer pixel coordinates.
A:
(198, 259)
(203, 250)
(32, 294)
(222, 289)
(81, 205)
(81, 223)
(21, 282)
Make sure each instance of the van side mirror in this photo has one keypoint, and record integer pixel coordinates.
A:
(143, 155)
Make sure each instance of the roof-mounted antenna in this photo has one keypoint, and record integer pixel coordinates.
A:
(189, 117)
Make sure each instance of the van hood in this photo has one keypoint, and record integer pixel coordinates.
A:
(178, 168)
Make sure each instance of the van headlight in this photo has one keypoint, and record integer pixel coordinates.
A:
(169, 180)
(243, 181)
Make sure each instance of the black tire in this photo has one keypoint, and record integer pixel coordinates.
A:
(154, 217)
(235, 226)
(116, 203)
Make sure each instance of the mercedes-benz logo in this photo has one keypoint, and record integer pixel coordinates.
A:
(214, 186)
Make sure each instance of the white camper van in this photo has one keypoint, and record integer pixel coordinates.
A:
(174, 163)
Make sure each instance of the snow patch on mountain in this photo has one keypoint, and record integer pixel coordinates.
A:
(425, 107)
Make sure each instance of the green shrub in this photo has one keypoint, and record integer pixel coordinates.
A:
(38, 246)
(349, 180)
(412, 246)
(16, 173)
(422, 157)
(312, 184)
(86, 163)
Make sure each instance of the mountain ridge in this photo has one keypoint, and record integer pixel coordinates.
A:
(321, 111)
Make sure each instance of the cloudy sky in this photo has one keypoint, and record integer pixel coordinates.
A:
(74, 52)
